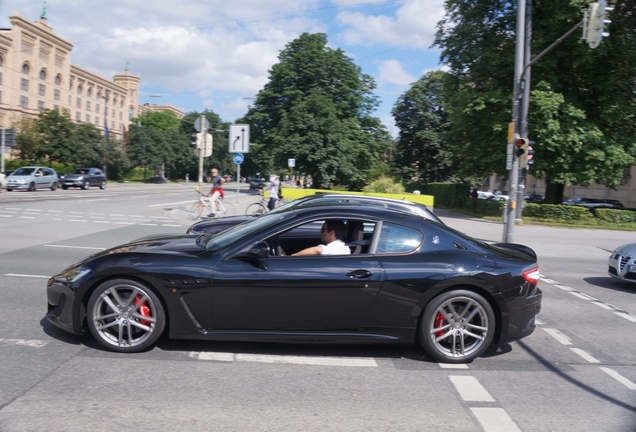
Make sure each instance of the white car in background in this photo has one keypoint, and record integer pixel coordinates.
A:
(622, 263)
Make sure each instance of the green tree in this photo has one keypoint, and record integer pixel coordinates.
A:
(582, 103)
(317, 109)
(420, 114)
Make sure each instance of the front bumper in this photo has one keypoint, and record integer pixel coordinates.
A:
(622, 267)
(63, 311)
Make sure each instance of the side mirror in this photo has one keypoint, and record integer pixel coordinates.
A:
(260, 250)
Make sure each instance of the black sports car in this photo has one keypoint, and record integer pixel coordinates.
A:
(216, 225)
(407, 280)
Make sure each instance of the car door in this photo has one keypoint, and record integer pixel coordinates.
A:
(313, 293)
(44, 180)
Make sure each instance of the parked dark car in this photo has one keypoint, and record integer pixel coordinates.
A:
(84, 178)
(215, 225)
(407, 280)
(257, 184)
(593, 203)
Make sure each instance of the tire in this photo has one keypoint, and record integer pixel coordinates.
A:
(64, 187)
(125, 316)
(84, 186)
(457, 326)
(31, 187)
(54, 186)
(255, 209)
(196, 209)
(102, 185)
(9, 190)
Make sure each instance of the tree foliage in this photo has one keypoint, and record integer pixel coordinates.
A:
(316, 108)
(420, 114)
(582, 103)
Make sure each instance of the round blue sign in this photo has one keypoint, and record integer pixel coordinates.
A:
(238, 158)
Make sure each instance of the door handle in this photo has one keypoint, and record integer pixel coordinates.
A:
(360, 274)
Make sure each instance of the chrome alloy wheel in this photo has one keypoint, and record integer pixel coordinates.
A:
(458, 327)
(125, 316)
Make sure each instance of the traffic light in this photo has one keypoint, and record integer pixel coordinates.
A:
(594, 23)
(521, 151)
(193, 139)
(530, 154)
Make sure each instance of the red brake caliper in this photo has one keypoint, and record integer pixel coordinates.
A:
(439, 320)
(143, 309)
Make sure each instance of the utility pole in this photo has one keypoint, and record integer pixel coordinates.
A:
(513, 173)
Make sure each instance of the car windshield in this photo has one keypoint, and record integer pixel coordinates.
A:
(238, 232)
(80, 171)
(24, 172)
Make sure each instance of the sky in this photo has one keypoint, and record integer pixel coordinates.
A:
(217, 54)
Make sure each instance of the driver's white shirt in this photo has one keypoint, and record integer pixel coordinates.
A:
(336, 247)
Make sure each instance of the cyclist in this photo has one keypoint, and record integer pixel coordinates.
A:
(217, 189)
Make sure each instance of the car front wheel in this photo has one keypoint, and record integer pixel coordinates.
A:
(102, 185)
(125, 316)
(457, 326)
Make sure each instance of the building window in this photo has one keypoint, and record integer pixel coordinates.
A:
(88, 118)
(56, 107)
(78, 103)
(40, 105)
(24, 101)
(43, 75)
(59, 61)
(24, 85)
(42, 90)
(79, 89)
(88, 105)
(78, 117)
(56, 94)
(25, 69)
(44, 55)
(97, 108)
(58, 80)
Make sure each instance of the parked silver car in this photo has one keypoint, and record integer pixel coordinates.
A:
(622, 263)
(32, 178)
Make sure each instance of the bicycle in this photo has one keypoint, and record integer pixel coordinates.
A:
(203, 203)
(261, 207)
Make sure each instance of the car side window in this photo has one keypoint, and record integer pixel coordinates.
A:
(398, 239)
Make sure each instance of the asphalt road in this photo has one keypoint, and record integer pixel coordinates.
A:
(576, 372)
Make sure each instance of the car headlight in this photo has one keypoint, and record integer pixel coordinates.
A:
(73, 274)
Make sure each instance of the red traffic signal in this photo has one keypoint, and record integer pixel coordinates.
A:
(522, 147)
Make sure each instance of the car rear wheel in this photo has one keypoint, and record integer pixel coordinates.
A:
(457, 326)
(125, 316)
(54, 186)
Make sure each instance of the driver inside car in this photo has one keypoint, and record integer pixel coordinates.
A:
(332, 234)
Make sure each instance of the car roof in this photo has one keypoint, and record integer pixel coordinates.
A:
(412, 207)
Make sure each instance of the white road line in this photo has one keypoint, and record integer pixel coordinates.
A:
(564, 287)
(27, 276)
(560, 337)
(74, 247)
(78, 220)
(620, 378)
(603, 305)
(7, 216)
(148, 224)
(171, 225)
(124, 223)
(24, 342)
(453, 366)
(26, 217)
(495, 420)
(585, 356)
(627, 316)
(470, 389)
(301, 360)
(582, 296)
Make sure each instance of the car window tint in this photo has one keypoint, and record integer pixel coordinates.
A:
(398, 239)
(24, 171)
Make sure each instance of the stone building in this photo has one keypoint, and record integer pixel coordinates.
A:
(36, 73)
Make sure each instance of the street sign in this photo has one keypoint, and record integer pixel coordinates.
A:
(239, 139)
(198, 126)
(530, 152)
(238, 158)
(291, 163)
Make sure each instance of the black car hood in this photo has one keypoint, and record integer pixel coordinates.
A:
(170, 245)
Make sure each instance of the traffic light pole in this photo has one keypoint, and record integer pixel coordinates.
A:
(513, 175)
(520, 116)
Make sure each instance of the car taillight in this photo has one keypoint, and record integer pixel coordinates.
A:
(531, 274)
